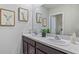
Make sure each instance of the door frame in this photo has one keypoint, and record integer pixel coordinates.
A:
(52, 15)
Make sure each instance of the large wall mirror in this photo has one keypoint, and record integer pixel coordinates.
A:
(61, 18)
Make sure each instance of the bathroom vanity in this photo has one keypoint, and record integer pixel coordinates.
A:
(40, 45)
(34, 47)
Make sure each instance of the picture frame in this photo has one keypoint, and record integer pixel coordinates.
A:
(7, 17)
(44, 22)
(23, 14)
(38, 17)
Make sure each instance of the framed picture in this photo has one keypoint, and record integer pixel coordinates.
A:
(38, 17)
(23, 14)
(44, 22)
(7, 17)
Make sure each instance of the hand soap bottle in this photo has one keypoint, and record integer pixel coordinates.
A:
(73, 38)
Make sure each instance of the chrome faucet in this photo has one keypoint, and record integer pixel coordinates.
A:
(57, 38)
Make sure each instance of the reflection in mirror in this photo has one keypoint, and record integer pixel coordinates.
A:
(61, 18)
(38, 17)
(39, 13)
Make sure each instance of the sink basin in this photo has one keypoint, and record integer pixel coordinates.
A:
(58, 42)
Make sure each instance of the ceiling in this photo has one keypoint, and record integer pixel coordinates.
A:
(49, 6)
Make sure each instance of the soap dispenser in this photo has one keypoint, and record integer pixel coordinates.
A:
(73, 38)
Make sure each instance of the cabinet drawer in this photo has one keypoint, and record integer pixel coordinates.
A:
(47, 49)
(28, 40)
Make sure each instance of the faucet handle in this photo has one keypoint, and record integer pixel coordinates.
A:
(57, 37)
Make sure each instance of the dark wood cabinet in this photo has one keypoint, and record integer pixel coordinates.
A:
(28, 45)
(39, 51)
(34, 47)
(28, 40)
(47, 49)
(24, 47)
(31, 49)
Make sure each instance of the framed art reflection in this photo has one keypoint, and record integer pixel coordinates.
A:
(44, 22)
(38, 17)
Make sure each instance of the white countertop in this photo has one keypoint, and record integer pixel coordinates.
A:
(70, 48)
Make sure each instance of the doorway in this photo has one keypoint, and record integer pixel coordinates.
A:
(56, 23)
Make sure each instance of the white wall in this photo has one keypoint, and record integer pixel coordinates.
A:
(10, 37)
(37, 8)
(71, 17)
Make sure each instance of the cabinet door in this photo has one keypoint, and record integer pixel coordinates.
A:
(24, 47)
(31, 49)
(47, 49)
(39, 51)
(28, 40)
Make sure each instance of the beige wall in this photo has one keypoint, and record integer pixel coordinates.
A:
(71, 17)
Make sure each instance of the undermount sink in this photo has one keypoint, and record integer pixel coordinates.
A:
(58, 42)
